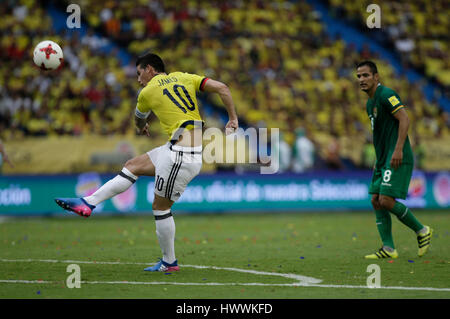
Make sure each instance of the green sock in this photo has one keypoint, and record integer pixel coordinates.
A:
(384, 225)
(406, 217)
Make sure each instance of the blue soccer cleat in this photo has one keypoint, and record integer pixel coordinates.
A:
(76, 205)
(163, 266)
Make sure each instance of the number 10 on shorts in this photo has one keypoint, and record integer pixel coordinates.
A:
(159, 183)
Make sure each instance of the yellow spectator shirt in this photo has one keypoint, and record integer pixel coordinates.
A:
(172, 97)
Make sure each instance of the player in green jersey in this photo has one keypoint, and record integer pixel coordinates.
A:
(394, 161)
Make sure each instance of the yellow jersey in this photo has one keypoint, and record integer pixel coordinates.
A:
(172, 97)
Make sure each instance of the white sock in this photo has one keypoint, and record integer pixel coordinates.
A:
(165, 231)
(113, 187)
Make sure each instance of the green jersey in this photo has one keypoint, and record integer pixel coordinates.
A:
(381, 109)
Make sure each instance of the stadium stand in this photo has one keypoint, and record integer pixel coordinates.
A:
(417, 30)
(282, 67)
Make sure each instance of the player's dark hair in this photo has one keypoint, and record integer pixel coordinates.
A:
(372, 66)
(153, 60)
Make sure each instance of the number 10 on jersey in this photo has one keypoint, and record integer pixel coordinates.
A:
(189, 104)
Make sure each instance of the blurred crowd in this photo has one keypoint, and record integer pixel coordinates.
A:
(416, 29)
(282, 68)
(91, 93)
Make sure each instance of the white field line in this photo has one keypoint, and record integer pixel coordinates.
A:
(221, 284)
(298, 278)
(302, 281)
(12, 281)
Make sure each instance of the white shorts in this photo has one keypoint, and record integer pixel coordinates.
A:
(175, 167)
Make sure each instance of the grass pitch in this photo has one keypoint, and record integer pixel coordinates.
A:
(248, 256)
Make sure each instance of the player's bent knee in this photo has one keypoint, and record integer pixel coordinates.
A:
(375, 203)
(160, 206)
(387, 202)
(131, 165)
(140, 165)
(161, 203)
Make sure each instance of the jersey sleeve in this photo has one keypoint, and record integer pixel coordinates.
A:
(143, 109)
(392, 102)
(199, 81)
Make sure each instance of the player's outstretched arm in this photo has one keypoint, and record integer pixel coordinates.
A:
(403, 126)
(222, 89)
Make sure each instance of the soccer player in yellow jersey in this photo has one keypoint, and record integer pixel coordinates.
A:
(172, 98)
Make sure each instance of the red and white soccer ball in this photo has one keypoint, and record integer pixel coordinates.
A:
(48, 55)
